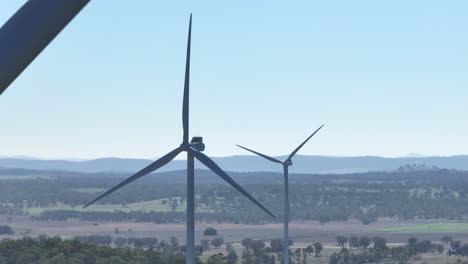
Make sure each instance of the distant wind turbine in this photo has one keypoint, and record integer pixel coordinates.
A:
(29, 31)
(286, 164)
(193, 150)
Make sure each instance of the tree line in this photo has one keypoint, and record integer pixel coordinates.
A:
(106, 249)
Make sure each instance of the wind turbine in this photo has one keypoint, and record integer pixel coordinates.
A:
(29, 31)
(194, 151)
(286, 164)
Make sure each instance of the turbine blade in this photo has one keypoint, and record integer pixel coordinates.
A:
(150, 168)
(261, 155)
(303, 143)
(185, 107)
(29, 31)
(216, 169)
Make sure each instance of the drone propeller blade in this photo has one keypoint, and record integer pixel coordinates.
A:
(303, 143)
(216, 169)
(29, 31)
(185, 107)
(150, 168)
(261, 155)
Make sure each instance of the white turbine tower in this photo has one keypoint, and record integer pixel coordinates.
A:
(286, 164)
(194, 151)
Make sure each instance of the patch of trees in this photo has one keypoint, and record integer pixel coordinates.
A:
(275, 244)
(458, 248)
(6, 209)
(6, 230)
(230, 258)
(379, 251)
(56, 250)
(96, 249)
(104, 240)
(258, 252)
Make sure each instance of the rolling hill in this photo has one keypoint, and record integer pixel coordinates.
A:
(302, 164)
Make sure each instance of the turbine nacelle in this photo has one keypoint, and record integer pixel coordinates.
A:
(197, 144)
(288, 162)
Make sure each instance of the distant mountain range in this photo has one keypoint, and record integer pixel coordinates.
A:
(302, 164)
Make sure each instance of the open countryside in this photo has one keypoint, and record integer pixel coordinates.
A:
(233, 132)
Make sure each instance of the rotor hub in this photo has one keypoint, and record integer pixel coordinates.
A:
(288, 162)
(197, 143)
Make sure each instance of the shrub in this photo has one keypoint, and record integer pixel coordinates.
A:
(6, 230)
(210, 231)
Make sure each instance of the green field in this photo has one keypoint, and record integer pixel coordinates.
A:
(159, 205)
(429, 228)
(154, 205)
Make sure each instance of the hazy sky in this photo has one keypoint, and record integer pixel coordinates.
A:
(385, 77)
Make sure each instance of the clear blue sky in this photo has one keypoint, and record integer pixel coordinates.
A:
(386, 77)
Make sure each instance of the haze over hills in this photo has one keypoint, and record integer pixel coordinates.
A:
(302, 164)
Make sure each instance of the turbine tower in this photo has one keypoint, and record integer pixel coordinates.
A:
(286, 164)
(194, 150)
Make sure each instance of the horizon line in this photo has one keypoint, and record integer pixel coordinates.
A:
(77, 159)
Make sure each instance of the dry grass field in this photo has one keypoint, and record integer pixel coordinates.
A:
(304, 232)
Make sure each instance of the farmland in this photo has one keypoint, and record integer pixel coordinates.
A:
(394, 206)
(433, 228)
(432, 194)
(302, 233)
